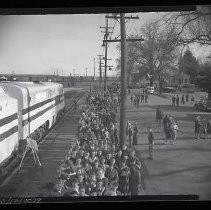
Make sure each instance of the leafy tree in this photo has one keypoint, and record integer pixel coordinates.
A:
(157, 55)
(204, 77)
(189, 65)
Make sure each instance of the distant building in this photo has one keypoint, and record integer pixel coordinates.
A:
(180, 78)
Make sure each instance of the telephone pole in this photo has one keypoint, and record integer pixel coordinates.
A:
(94, 68)
(122, 133)
(106, 52)
(123, 80)
(100, 76)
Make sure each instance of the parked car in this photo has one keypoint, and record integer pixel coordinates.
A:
(151, 90)
(169, 89)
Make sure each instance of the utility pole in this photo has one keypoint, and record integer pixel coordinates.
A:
(106, 52)
(123, 81)
(122, 133)
(94, 68)
(100, 76)
(86, 72)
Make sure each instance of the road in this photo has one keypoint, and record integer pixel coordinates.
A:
(183, 168)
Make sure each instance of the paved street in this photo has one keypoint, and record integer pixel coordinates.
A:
(183, 168)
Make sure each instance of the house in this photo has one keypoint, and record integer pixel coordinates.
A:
(180, 78)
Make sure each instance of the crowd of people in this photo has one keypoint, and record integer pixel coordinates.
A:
(176, 101)
(170, 126)
(140, 97)
(95, 164)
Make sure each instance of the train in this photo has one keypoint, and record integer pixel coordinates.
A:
(27, 109)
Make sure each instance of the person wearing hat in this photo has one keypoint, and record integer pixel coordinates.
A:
(124, 177)
(111, 173)
(151, 143)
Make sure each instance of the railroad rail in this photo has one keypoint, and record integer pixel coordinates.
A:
(12, 166)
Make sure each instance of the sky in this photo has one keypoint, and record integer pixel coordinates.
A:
(44, 44)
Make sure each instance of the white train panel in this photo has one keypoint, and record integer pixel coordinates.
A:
(38, 110)
(36, 103)
(8, 125)
(8, 145)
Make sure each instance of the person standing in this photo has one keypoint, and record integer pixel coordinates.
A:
(187, 97)
(142, 98)
(124, 177)
(111, 173)
(131, 99)
(159, 114)
(138, 100)
(183, 99)
(165, 123)
(174, 129)
(135, 134)
(151, 143)
(146, 97)
(173, 100)
(135, 179)
(177, 100)
(192, 98)
(130, 134)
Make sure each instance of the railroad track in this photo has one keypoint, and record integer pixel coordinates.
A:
(13, 166)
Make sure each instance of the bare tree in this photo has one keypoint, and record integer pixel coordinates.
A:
(192, 26)
(157, 55)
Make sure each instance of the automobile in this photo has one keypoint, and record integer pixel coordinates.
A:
(169, 89)
(201, 104)
(151, 90)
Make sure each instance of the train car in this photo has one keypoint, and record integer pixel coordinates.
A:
(39, 105)
(8, 125)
